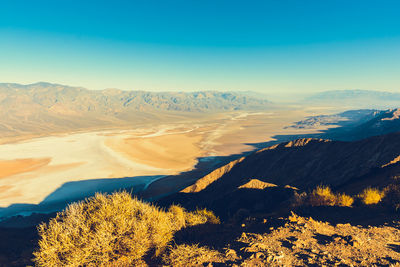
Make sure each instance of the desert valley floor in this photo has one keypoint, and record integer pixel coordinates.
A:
(33, 168)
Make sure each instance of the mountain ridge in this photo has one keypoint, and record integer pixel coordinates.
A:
(46, 107)
(301, 165)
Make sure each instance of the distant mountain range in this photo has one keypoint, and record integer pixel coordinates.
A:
(45, 107)
(356, 99)
(69, 100)
(42, 107)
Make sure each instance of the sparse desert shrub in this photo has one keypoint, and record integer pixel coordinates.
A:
(111, 230)
(344, 200)
(371, 196)
(103, 230)
(182, 218)
(191, 255)
(322, 196)
(201, 216)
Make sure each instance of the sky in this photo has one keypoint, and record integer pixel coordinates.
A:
(274, 47)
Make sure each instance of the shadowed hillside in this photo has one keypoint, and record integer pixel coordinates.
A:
(301, 165)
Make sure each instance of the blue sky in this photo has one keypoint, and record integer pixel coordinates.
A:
(268, 46)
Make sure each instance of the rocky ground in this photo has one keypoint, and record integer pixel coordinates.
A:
(290, 241)
(263, 240)
(304, 241)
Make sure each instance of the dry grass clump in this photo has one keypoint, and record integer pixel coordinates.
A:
(344, 200)
(110, 230)
(201, 216)
(371, 196)
(183, 218)
(191, 255)
(323, 196)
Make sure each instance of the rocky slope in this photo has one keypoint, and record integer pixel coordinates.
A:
(290, 241)
(257, 195)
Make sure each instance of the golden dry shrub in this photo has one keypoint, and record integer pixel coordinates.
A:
(105, 230)
(322, 196)
(192, 255)
(201, 216)
(344, 200)
(182, 218)
(371, 196)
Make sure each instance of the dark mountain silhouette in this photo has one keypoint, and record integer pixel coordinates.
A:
(293, 166)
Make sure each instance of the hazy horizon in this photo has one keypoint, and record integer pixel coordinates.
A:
(263, 46)
(270, 95)
(196, 90)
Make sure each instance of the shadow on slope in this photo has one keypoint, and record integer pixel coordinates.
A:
(346, 166)
(78, 190)
(145, 187)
